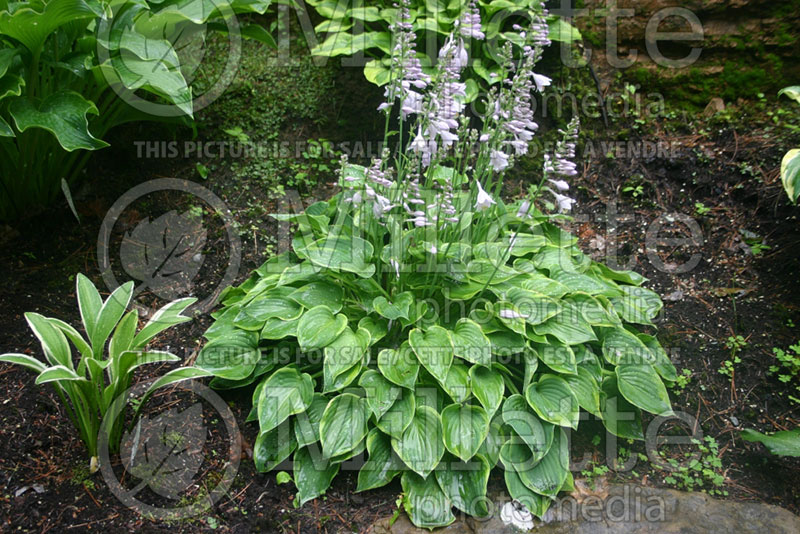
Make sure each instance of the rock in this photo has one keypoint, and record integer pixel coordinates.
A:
(715, 105)
(627, 509)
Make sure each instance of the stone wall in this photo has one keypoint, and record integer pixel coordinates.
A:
(747, 46)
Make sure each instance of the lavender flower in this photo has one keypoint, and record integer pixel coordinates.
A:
(406, 67)
(484, 200)
(561, 185)
(469, 25)
(499, 160)
(562, 164)
(564, 202)
(541, 81)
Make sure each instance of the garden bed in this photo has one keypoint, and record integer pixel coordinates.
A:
(721, 172)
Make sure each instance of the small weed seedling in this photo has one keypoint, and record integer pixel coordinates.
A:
(734, 344)
(701, 209)
(788, 367)
(703, 472)
(683, 380)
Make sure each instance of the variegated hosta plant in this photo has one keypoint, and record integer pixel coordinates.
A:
(109, 354)
(423, 324)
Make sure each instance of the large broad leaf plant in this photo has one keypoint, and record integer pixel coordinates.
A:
(354, 27)
(67, 68)
(422, 323)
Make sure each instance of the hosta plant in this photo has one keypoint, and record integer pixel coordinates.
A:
(421, 322)
(108, 355)
(350, 28)
(68, 69)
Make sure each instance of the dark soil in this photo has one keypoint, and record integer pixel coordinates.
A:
(729, 167)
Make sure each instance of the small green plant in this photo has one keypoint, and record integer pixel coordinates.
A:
(754, 242)
(634, 187)
(594, 471)
(634, 190)
(701, 209)
(682, 381)
(787, 368)
(202, 170)
(700, 470)
(318, 160)
(103, 375)
(734, 344)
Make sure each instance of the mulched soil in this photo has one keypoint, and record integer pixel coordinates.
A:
(731, 169)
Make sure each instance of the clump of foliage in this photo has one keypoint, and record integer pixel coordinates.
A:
(366, 29)
(421, 319)
(63, 64)
(109, 354)
(788, 368)
(699, 470)
(682, 380)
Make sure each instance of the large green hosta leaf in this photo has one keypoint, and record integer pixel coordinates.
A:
(784, 443)
(620, 417)
(488, 387)
(341, 355)
(63, 114)
(549, 474)
(399, 366)
(470, 343)
(381, 394)
(464, 484)
(382, 465)
(425, 502)
(232, 357)
(553, 400)
(536, 435)
(343, 424)
(421, 446)
(465, 428)
(533, 502)
(637, 304)
(273, 447)
(434, 348)
(318, 327)
(306, 424)
(312, 475)
(622, 347)
(154, 75)
(790, 173)
(641, 385)
(339, 253)
(32, 24)
(319, 294)
(286, 392)
(586, 390)
(569, 327)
